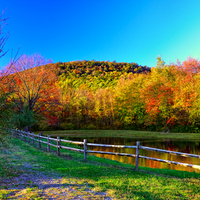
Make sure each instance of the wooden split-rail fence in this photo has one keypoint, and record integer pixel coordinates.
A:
(38, 138)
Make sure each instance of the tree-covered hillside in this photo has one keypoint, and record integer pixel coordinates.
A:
(96, 74)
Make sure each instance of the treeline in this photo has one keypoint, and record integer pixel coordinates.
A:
(107, 95)
(128, 96)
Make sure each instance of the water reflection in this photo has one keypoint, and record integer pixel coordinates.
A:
(192, 147)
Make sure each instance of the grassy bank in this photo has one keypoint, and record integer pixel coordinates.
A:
(119, 180)
(124, 134)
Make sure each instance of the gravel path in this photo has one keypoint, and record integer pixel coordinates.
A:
(33, 184)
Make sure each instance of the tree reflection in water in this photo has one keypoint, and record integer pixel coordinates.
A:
(192, 147)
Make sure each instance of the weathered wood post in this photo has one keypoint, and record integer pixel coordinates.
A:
(137, 155)
(33, 137)
(58, 146)
(21, 135)
(28, 137)
(48, 141)
(25, 138)
(25, 134)
(85, 149)
(39, 140)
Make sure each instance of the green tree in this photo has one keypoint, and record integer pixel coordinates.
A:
(129, 105)
(160, 63)
(24, 119)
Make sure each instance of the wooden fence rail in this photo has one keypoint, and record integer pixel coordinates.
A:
(31, 136)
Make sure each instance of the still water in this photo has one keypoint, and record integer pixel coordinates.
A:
(192, 147)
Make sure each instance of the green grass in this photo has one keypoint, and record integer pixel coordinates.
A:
(118, 179)
(124, 133)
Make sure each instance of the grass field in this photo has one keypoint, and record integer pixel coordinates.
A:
(119, 180)
(124, 133)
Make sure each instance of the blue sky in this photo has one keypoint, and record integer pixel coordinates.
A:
(122, 30)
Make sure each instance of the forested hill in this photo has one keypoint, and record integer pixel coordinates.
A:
(96, 74)
(99, 67)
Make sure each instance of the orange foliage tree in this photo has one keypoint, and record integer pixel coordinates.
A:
(158, 95)
(32, 81)
(187, 96)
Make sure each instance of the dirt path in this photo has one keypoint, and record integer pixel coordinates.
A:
(33, 184)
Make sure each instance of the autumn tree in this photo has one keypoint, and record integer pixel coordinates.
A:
(129, 106)
(32, 81)
(158, 94)
(187, 96)
(190, 66)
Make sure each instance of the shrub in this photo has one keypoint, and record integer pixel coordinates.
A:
(90, 127)
(67, 126)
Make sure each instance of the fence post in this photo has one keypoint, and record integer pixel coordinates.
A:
(28, 137)
(85, 149)
(48, 141)
(33, 137)
(39, 140)
(21, 135)
(58, 146)
(25, 133)
(137, 155)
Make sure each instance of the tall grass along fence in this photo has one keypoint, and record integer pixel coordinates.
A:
(58, 143)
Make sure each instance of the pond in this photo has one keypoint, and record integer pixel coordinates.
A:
(192, 147)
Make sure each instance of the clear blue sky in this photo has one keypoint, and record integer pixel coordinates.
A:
(122, 30)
